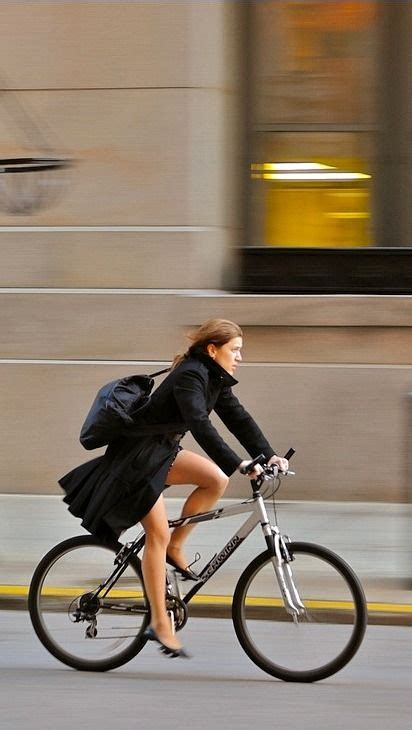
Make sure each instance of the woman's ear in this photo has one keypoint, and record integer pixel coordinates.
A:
(211, 350)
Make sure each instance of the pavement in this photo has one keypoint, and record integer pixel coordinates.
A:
(374, 538)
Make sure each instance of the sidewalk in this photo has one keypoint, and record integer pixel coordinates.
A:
(375, 539)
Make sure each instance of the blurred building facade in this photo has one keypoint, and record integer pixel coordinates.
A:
(199, 131)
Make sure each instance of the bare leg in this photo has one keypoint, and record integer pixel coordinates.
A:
(190, 468)
(157, 532)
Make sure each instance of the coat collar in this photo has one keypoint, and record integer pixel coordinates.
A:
(216, 371)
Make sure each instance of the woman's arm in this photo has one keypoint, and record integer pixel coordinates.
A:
(242, 425)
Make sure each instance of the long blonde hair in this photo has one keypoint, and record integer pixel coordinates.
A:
(214, 331)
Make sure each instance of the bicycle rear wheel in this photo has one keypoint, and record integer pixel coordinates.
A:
(83, 631)
(323, 638)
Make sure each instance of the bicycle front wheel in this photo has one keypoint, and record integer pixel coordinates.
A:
(329, 629)
(81, 629)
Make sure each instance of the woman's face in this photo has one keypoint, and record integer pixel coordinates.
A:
(228, 356)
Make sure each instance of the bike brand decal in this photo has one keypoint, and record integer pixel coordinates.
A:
(223, 555)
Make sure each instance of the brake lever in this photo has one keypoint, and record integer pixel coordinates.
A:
(273, 471)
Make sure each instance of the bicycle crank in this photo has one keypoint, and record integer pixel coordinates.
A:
(177, 609)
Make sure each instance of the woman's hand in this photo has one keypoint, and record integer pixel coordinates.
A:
(257, 469)
(280, 462)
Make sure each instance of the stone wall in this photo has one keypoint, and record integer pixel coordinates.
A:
(145, 99)
(327, 375)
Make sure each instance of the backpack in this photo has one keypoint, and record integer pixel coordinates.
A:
(115, 408)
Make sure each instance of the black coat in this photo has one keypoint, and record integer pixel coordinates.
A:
(114, 491)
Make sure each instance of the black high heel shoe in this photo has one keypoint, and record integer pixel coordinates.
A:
(151, 635)
(185, 573)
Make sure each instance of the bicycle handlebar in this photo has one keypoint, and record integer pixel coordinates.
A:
(261, 459)
(269, 470)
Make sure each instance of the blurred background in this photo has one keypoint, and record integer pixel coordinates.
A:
(166, 162)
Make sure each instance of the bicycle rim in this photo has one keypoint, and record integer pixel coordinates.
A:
(327, 633)
(88, 633)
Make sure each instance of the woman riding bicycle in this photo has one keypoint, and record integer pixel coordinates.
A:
(125, 485)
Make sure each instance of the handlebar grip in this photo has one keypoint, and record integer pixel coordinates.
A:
(259, 460)
(289, 454)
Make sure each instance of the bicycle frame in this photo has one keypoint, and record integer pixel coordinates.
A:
(276, 544)
(257, 507)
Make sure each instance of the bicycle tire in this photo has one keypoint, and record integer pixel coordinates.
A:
(48, 605)
(253, 617)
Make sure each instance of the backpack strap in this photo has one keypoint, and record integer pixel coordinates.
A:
(159, 372)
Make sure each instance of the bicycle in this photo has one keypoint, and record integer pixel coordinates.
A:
(298, 609)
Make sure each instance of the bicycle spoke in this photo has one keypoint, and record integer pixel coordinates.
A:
(309, 644)
(73, 622)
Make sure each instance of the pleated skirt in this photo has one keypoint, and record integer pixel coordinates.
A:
(115, 491)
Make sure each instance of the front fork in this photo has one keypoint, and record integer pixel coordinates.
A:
(281, 559)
